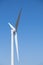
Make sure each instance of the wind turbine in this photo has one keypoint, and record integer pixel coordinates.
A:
(14, 35)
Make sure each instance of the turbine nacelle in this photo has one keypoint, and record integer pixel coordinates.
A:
(14, 30)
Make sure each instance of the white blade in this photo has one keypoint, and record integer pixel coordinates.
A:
(16, 43)
(11, 26)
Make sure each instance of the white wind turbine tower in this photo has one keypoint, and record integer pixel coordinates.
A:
(14, 35)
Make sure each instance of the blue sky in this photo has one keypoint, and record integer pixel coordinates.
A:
(30, 31)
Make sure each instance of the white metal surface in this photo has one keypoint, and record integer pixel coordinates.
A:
(16, 43)
(12, 48)
(12, 27)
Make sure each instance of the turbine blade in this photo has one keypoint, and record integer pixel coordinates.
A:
(17, 22)
(16, 43)
(11, 26)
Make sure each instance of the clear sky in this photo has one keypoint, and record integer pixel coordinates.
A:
(30, 31)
